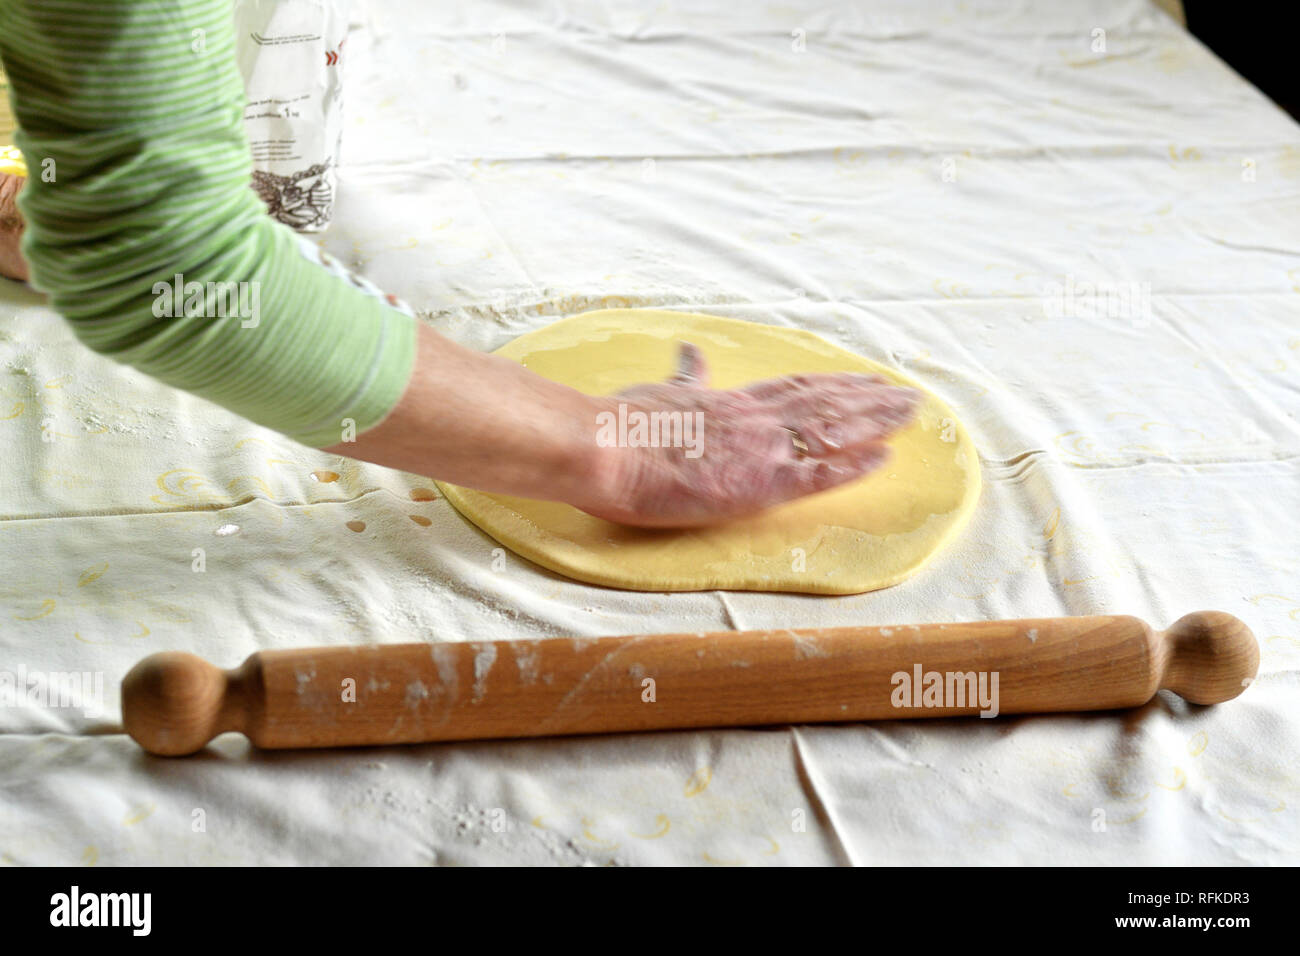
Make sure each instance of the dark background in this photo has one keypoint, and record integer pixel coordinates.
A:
(1258, 40)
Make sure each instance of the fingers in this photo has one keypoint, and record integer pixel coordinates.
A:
(805, 476)
(837, 411)
(778, 387)
(692, 369)
(836, 420)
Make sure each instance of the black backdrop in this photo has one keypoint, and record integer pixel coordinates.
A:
(1257, 39)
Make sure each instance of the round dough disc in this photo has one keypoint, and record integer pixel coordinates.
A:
(866, 535)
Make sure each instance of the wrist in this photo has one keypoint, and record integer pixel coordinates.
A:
(586, 473)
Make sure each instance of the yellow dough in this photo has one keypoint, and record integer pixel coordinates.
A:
(870, 534)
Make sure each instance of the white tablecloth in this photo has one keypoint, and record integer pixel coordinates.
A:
(918, 182)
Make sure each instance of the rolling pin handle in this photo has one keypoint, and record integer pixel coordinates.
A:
(173, 704)
(1211, 657)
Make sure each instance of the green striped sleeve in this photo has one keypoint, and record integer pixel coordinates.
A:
(130, 116)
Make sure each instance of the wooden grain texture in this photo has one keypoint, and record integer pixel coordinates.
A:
(405, 693)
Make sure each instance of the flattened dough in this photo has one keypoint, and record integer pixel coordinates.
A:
(870, 534)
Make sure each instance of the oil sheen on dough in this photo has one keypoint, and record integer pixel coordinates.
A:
(867, 535)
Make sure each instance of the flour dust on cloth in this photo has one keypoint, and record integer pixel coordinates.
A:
(1139, 464)
(869, 534)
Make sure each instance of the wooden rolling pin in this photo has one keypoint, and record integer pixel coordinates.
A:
(175, 703)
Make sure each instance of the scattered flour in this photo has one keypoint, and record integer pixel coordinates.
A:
(527, 659)
(444, 657)
(416, 692)
(806, 647)
(485, 655)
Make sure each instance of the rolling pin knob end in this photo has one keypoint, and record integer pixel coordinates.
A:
(172, 703)
(1213, 657)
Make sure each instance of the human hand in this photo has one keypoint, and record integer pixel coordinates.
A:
(754, 447)
(12, 265)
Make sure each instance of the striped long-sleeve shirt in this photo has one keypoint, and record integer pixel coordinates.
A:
(130, 117)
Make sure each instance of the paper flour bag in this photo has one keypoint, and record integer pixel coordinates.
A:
(289, 54)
